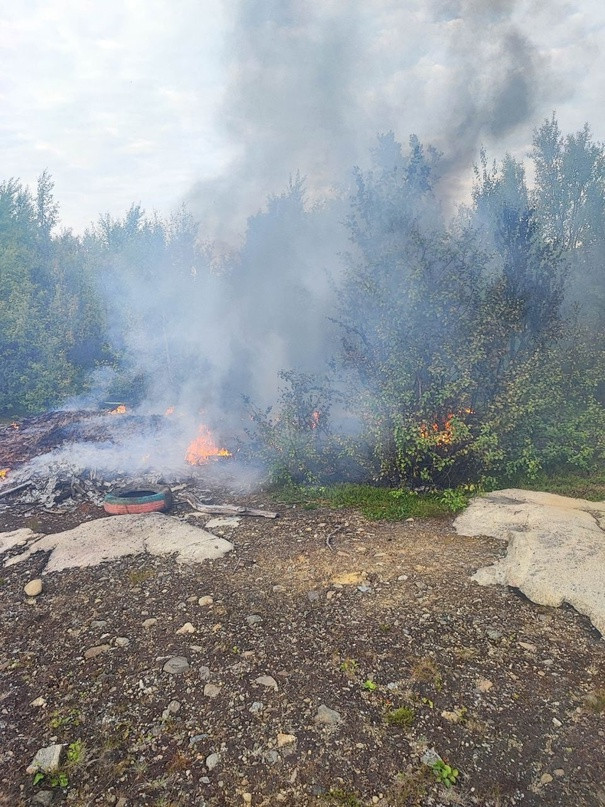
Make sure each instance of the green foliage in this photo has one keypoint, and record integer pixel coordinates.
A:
(369, 685)
(403, 716)
(58, 779)
(75, 753)
(294, 440)
(447, 775)
(454, 500)
(376, 503)
(343, 797)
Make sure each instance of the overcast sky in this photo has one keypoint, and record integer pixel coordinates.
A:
(158, 101)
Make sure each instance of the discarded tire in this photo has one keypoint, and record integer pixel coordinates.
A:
(137, 500)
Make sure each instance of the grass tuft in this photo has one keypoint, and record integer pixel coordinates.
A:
(377, 504)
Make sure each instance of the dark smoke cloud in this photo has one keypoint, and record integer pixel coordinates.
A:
(311, 84)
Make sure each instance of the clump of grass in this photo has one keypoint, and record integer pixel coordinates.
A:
(375, 503)
(595, 701)
(343, 797)
(590, 486)
(403, 716)
(426, 671)
(138, 576)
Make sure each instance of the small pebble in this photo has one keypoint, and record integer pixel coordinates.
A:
(206, 600)
(33, 588)
(212, 761)
(186, 628)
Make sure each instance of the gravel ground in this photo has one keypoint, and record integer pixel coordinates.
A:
(318, 663)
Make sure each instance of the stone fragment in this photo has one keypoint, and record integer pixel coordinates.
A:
(38, 702)
(254, 619)
(545, 779)
(149, 623)
(122, 641)
(204, 672)
(247, 797)
(186, 628)
(257, 706)
(556, 723)
(531, 648)
(92, 652)
(312, 596)
(212, 761)
(279, 589)
(44, 798)
(176, 665)
(212, 690)
(205, 600)
(219, 523)
(47, 760)
(266, 681)
(430, 757)
(33, 588)
(494, 635)
(327, 717)
(285, 739)
(484, 685)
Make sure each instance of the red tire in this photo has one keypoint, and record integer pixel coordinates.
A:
(150, 499)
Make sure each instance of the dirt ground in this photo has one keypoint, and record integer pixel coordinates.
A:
(378, 622)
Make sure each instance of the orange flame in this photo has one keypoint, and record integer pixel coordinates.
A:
(119, 410)
(203, 447)
(4, 472)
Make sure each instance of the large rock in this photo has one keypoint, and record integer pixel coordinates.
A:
(556, 547)
(111, 538)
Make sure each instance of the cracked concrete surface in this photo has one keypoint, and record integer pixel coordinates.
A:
(556, 547)
(107, 539)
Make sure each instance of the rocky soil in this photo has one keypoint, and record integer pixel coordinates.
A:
(327, 660)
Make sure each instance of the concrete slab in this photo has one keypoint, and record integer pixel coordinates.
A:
(107, 539)
(556, 547)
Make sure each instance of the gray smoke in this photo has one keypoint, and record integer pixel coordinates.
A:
(313, 83)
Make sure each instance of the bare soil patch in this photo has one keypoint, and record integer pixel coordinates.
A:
(321, 602)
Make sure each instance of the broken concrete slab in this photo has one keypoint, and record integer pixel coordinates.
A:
(556, 547)
(108, 539)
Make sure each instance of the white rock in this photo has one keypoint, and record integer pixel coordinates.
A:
(149, 623)
(206, 600)
(46, 760)
(107, 539)
(218, 523)
(38, 702)
(266, 681)
(212, 690)
(186, 628)
(34, 587)
(556, 549)
(212, 761)
(285, 739)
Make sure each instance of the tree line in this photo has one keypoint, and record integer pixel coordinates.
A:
(412, 346)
